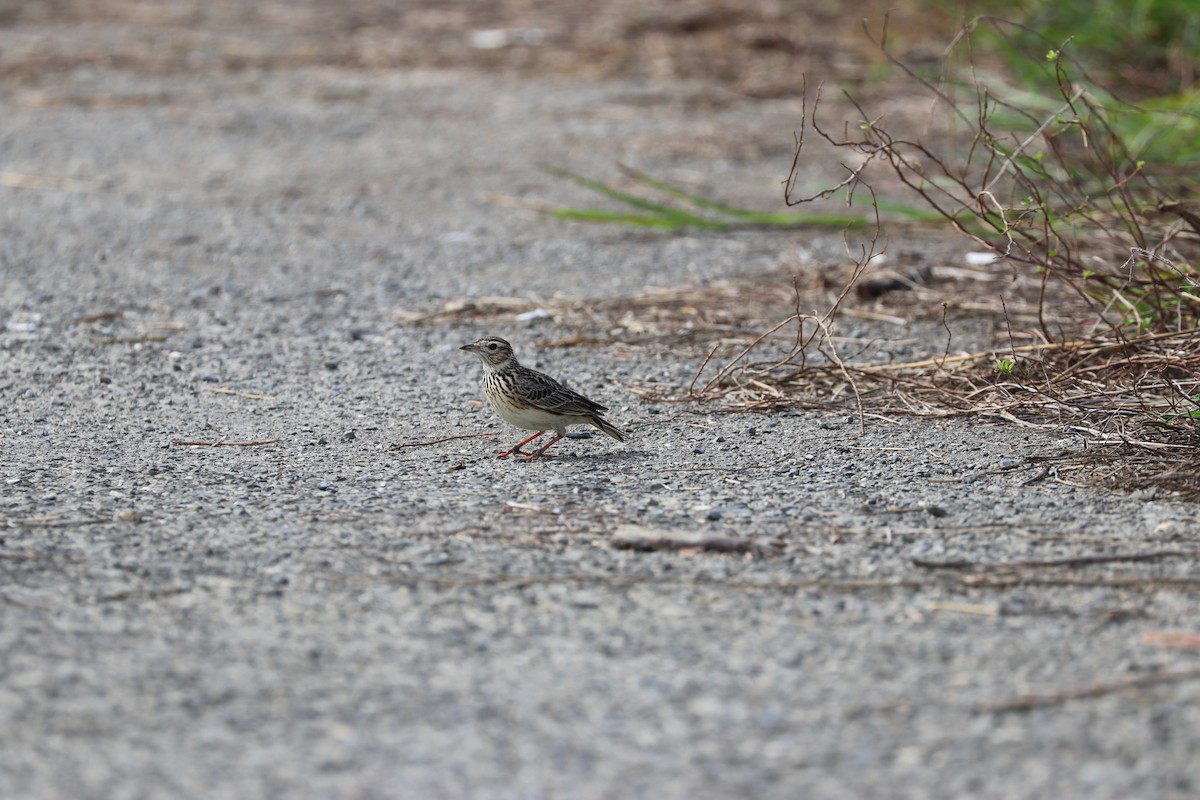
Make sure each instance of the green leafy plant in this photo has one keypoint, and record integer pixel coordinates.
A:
(1057, 179)
(1149, 47)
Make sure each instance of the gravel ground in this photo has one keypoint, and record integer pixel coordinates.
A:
(340, 607)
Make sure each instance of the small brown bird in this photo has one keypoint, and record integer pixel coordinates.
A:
(532, 400)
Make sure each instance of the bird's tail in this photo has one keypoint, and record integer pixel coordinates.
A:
(603, 425)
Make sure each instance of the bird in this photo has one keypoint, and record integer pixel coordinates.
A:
(533, 400)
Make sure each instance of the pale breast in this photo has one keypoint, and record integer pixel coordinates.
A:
(499, 394)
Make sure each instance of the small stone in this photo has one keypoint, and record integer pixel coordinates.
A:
(720, 512)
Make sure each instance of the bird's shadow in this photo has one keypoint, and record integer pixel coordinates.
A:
(614, 457)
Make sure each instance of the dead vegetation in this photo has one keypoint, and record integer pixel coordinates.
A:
(1101, 312)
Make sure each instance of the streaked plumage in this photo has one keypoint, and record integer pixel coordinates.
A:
(533, 400)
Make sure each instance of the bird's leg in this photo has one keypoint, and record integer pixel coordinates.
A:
(520, 444)
(541, 452)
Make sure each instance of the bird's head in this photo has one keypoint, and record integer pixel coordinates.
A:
(494, 352)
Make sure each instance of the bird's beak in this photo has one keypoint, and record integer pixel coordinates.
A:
(470, 348)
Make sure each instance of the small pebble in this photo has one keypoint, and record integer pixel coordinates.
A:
(720, 512)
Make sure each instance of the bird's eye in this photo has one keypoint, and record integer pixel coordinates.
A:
(492, 346)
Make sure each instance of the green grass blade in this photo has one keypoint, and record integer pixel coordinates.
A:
(909, 212)
(682, 218)
(640, 220)
(696, 200)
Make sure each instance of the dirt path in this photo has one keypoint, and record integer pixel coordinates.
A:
(229, 227)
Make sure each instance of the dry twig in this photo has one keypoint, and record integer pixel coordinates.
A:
(222, 443)
(440, 441)
(1033, 700)
(638, 537)
(1072, 561)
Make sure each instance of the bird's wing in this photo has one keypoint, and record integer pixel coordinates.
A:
(546, 393)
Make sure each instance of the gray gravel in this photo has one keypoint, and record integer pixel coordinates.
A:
(225, 257)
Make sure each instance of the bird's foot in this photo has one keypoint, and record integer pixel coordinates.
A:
(541, 451)
(518, 451)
